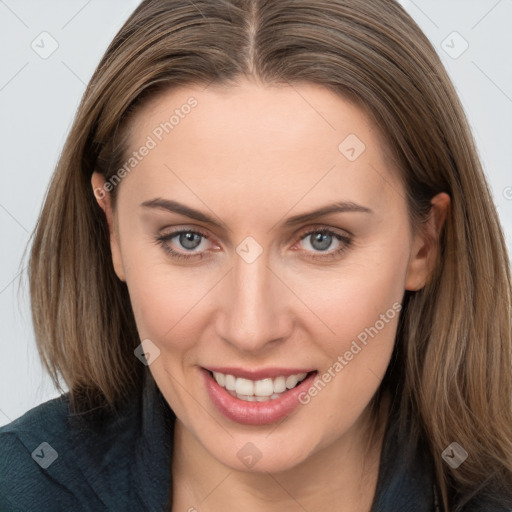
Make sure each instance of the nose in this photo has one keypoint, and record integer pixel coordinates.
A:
(257, 311)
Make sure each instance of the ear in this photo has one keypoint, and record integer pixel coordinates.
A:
(104, 200)
(426, 244)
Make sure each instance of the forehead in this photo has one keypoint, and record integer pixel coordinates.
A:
(260, 140)
(258, 117)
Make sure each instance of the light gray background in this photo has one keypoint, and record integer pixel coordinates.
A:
(39, 96)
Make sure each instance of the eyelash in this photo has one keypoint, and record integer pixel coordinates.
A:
(164, 240)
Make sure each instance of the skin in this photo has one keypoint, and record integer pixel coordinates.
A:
(252, 156)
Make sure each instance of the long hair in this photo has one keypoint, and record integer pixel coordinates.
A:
(453, 356)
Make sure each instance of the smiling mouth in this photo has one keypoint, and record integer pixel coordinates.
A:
(262, 390)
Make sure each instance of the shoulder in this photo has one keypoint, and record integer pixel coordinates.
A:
(407, 478)
(46, 417)
(51, 460)
(26, 446)
(489, 498)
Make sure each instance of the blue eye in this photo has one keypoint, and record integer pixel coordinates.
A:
(187, 239)
(320, 241)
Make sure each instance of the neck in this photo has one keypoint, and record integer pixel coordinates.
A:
(343, 476)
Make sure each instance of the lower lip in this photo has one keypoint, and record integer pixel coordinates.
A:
(255, 413)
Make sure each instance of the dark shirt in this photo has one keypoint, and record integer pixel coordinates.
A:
(123, 463)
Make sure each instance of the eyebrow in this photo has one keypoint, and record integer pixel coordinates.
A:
(176, 207)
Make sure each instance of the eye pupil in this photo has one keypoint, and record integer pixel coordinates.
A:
(324, 240)
(189, 240)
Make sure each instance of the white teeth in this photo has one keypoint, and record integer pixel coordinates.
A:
(252, 398)
(230, 382)
(291, 381)
(264, 387)
(279, 384)
(244, 387)
(220, 378)
(259, 390)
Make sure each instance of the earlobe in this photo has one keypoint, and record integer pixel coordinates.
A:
(426, 244)
(104, 200)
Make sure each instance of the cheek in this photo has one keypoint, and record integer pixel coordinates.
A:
(167, 306)
(359, 310)
(164, 297)
(357, 297)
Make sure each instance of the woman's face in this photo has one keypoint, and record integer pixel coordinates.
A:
(229, 269)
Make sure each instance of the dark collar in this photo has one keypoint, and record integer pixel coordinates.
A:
(153, 453)
(406, 474)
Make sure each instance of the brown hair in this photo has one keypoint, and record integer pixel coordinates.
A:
(452, 360)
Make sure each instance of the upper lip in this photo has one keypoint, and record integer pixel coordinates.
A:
(260, 374)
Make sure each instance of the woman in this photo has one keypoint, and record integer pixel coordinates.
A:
(270, 272)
